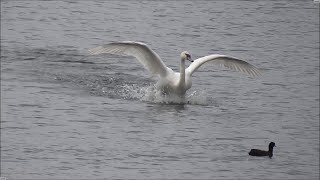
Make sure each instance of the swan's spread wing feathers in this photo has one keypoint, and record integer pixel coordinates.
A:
(226, 61)
(141, 51)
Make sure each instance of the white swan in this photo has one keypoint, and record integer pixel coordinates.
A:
(171, 81)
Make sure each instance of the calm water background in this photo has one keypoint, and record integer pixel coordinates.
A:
(65, 114)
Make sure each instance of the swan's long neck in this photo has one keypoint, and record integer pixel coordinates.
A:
(182, 81)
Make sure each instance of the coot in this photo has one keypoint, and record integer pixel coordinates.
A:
(257, 152)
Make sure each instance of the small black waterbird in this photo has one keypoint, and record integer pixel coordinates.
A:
(257, 152)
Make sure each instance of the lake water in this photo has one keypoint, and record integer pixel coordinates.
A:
(68, 115)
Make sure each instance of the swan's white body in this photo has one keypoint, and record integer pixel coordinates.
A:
(171, 81)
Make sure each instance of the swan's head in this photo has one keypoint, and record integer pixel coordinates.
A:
(186, 56)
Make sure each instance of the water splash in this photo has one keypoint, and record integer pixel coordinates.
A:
(129, 89)
(149, 93)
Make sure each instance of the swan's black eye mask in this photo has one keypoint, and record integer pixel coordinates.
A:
(189, 57)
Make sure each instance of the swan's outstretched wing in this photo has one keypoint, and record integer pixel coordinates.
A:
(141, 51)
(226, 61)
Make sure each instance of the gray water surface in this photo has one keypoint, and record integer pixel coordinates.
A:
(65, 114)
